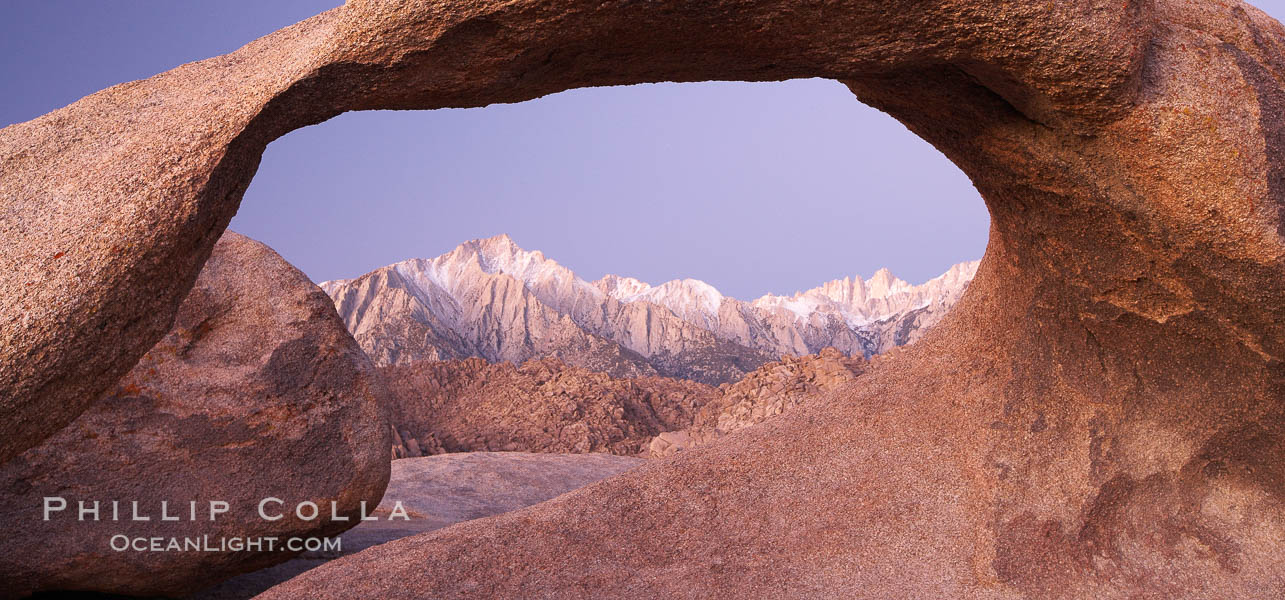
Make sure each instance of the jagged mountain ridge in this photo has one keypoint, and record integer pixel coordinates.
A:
(491, 299)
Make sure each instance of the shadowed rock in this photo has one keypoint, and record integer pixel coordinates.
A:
(258, 391)
(1100, 416)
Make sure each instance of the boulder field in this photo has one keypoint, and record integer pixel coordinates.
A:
(1099, 416)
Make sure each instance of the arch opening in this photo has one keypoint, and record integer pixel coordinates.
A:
(696, 232)
(764, 188)
(966, 90)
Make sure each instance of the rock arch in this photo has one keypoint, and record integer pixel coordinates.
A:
(1101, 414)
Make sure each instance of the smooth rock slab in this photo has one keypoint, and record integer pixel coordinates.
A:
(442, 490)
(450, 488)
(258, 391)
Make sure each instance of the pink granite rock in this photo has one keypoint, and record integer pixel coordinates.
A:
(1102, 415)
(257, 392)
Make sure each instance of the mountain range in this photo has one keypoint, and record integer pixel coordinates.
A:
(491, 299)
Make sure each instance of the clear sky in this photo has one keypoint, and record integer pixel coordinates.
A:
(754, 188)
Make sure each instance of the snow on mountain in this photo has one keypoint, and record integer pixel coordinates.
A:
(883, 296)
(621, 288)
(493, 299)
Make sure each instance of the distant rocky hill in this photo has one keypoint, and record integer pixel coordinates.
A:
(541, 406)
(768, 391)
(546, 405)
(491, 299)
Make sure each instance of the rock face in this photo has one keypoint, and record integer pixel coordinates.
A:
(1101, 415)
(492, 299)
(769, 391)
(542, 406)
(258, 391)
(407, 445)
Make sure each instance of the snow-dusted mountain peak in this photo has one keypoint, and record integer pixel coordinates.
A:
(883, 296)
(883, 284)
(691, 299)
(621, 288)
(492, 298)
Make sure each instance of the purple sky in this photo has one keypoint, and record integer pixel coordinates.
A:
(754, 188)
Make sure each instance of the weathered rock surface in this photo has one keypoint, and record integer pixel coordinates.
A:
(407, 445)
(437, 491)
(768, 391)
(257, 391)
(541, 406)
(1099, 416)
(492, 299)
